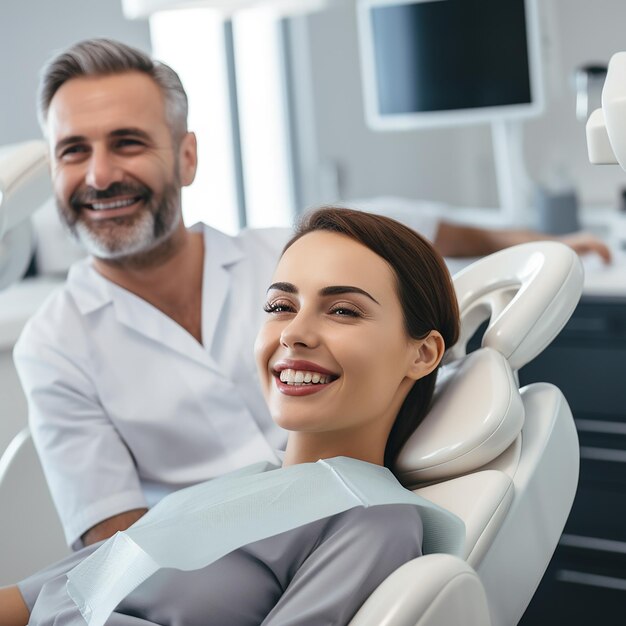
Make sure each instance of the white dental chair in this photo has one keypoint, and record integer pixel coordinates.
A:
(504, 460)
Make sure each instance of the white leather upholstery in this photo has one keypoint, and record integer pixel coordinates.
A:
(450, 594)
(458, 435)
(481, 500)
(528, 292)
(30, 531)
(544, 484)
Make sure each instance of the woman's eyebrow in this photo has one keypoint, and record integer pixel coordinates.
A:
(286, 287)
(333, 290)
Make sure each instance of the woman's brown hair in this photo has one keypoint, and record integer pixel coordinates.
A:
(424, 289)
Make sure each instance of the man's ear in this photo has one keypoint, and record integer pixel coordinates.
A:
(188, 158)
(427, 354)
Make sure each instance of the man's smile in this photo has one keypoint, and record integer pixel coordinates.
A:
(112, 208)
(111, 204)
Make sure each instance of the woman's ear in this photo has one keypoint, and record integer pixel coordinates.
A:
(427, 354)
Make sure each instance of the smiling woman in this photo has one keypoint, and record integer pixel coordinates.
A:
(366, 302)
(359, 313)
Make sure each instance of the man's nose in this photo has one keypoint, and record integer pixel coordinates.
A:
(102, 170)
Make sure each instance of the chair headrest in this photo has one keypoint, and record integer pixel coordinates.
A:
(477, 413)
(528, 292)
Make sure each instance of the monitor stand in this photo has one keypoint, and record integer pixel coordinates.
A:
(514, 184)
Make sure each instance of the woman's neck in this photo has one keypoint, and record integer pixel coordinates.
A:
(310, 447)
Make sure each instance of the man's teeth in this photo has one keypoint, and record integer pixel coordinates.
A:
(115, 204)
(299, 377)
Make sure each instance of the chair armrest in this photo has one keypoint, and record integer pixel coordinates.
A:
(433, 590)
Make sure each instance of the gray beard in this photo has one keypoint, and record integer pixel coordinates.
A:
(120, 239)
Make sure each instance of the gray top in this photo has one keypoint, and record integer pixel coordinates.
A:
(315, 575)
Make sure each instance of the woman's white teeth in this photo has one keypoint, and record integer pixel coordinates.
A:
(299, 377)
(116, 204)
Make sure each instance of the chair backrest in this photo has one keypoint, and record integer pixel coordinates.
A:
(31, 535)
(489, 452)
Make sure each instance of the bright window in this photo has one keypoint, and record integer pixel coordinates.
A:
(193, 42)
(263, 118)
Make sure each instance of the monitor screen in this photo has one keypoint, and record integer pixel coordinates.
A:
(438, 62)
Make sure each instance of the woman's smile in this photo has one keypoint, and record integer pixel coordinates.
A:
(301, 378)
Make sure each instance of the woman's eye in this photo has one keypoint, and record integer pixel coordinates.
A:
(278, 307)
(345, 311)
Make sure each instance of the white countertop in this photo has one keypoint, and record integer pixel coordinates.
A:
(600, 280)
(605, 280)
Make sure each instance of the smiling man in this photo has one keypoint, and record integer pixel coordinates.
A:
(104, 171)
(139, 373)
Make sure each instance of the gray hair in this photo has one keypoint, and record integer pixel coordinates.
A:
(102, 57)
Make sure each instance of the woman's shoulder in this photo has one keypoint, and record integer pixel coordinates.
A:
(386, 523)
(383, 518)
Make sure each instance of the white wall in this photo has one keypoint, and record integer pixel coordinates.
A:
(31, 31)
(456, 165)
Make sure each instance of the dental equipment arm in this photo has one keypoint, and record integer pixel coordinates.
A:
(24, 186)
(606, 127)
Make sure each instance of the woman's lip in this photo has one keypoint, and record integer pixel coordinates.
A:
(300, 390)
(303, 366)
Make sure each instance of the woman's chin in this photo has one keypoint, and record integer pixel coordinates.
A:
(299, 423)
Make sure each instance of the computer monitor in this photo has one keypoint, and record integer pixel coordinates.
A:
(447, 62)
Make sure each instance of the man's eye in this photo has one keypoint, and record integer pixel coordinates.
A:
(72, 151)
(128, 143)
(278, 307)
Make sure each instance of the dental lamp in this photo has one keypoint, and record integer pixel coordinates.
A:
(24, 186)
(138, 9)
(606, 127)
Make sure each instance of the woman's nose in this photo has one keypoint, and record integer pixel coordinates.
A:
(102, 170)
(301, 332)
